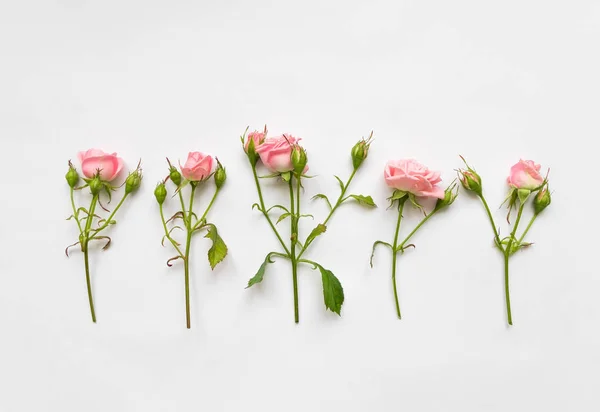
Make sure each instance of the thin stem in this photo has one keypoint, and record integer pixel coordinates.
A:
(162, 218)
(333, 209)
(421, 223)
(76, 213)
(88, 281)
(489, 213)
(395, 255)
(86, 241)
(182, 204)
(109, 219)
(507, 254)
(293, 240)
(189, 217)
(264, 210)
(186, 261)
(528, 227)
(210, 205)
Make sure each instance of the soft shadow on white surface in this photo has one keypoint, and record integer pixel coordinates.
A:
(491, 81)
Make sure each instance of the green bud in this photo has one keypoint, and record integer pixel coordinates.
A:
(449, 197)
(360, 151)
(251, 141)
(175, 175)
(220, 175)
(133, 181)
(72, 176)
(160, 193)
(471, 181)
(96, 185)
(541, 200)
(299, 159)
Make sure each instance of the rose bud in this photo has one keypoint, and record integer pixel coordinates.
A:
(410, 176)
(160, 193)
(360, 151)
(96, 185)
(299, 159)
(197, 167)
(449, 197)
(133, 181)
(541, 200)
(220, 175)
(253, 140)
(469, 179)
(276, 153)
(174, 174)
(96, 162)
(525, 175)
(72, 176)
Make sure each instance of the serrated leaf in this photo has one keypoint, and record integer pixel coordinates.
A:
(333, 293)
(317, 231)
(261, 272)
(282, 217)
(218, 250)
(364, 200)
(286, 176)
(322, 196)
(340, 182)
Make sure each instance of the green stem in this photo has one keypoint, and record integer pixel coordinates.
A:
(294, 238)
(110, 218)
(421, 223)
(162, 218)
(507, 253)
(210, 205)
(76, 213)
(182, 204)
(333, 209)
(186, 261)
(264, 210)
(395, 255)
(528, 227)
(85, 245)
(489, 213)
(88, 281)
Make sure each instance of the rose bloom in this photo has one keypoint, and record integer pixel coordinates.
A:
(411, 176)
(197, 167)
(95, 160)
(276, 153)
(257, 137)
(525, 175)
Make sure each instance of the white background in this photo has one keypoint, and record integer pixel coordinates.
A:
(494, 81)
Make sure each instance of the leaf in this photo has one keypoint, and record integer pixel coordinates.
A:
(398, 194)
(311, 216)
(269, 176)
(286, 176)
(322, 196)
(333, 293)
(282, 217)
(256, 205)
(218, 250)
(261, 272)
(317, 231)
(342, 186)
(378, 242)
(364, 200)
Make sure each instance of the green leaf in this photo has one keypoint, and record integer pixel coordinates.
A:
(311, 216)
(269, 176)
(278, 207)
(256, 205)
(364, 200)
(218, 250)
(322, 196)
(379, 242)
(261, 272)
(282, 217)
(286, 176)
(342, 186)
(333, 293)
(397, 195)
(319, 230)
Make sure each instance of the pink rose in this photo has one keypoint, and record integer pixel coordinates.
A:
(95, 160)
(525, 175)
(276, 153)
(257, 137)
(197, 167)
(411, 176)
